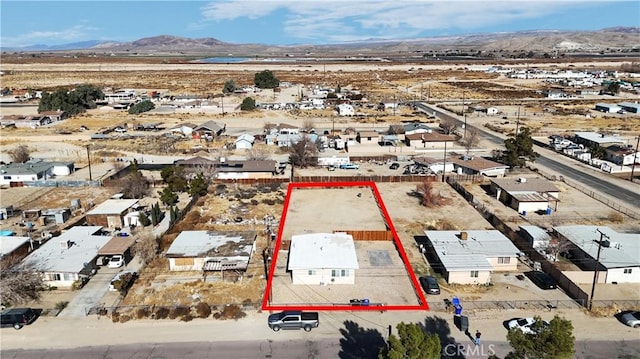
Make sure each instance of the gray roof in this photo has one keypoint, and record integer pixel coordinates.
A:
(212, 244)
(113, 206)
(53, 257)
(9, 244)
(629, 104)
(599, 138)
(623, 251)
(210, 125)
(537, 233)
(513, 184)
(459, 255)
(322, 250)
(30, 167)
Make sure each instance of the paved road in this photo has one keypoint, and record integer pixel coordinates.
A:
(630, 196)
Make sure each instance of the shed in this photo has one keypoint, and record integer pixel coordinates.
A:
(110, 213)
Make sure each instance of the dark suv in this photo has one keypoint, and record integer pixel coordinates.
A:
(430, 285)
(17, 317)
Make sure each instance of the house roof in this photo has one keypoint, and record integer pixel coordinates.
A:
(514, 185)
(476, 163)
(245, 137)
(9, 244)
(369, 134)
(194, 161)
(619, 150)
(459, 255)
(211, 126)
(212, 244)
(322, 250)
(186, 124)
(623, 250)
(248, 166)
(286, 125)
(537, 233)
(599, 138)
(113, 206)
(53, 257)
(430, 137)
(416, 126)
(30, 167)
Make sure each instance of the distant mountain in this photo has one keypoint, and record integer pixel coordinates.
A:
(622, 38)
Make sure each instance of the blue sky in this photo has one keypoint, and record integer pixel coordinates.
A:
(286, 22)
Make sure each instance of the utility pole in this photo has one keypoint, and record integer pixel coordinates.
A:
(89, 159)
(464, 113)
(635, 155)
(518, 122)
(444, 162)
(595, 270)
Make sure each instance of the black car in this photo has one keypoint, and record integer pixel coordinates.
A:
(394, 166)
(542, 280)
(17, 317)
(430, 285)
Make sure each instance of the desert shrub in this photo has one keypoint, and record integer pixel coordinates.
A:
(217, 315)
(254, 202)
(247, 302)
(125, 318)
(78, 284)
(616, 217)
(115, 317)
(186, 318)
(176, 312)
(143, 312)
(269, 201)
(160, 313)
(232, 311)
(61, 305)
(203, 310)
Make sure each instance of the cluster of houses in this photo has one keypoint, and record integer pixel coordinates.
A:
(33, 121)
(617, 153)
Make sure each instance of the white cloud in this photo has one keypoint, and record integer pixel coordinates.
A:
(361, 19)
(71, 34)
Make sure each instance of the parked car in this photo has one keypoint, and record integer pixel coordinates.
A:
(17, 317)
(524, 324)
(632, 319)
(116, 261)
(293, 320)
(429, 285)
(349, 166)
(542, 280)
(394, 166)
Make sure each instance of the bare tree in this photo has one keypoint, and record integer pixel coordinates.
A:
(257, 153)
(19, 282)
(556, 246)
(448, 125)
(428, 196)
(135, 185)
(304, 153)
(146, 247)
(471, 140)
(268, 126)
(20, 154)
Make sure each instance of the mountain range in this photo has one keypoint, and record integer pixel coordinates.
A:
(618, 39)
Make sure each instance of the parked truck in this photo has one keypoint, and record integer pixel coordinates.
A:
(293, 320)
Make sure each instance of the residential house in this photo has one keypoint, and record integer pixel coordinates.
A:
(478, 165)
(590, 139)
(110, 213)
(416, 127)
(631, 107)
(526, 195)
(368, 137)
(434, 165)
(25, 121)
(244, 142)
(13, 249)
(185, 129)
(210, 128)
(287, 129)
(618, 254)
(244, 169)
(322, 259)
(556, 93)
(211, 250)
(607, 107)
(55, 116)
(69, 257)
(428, 140)
(33, 170)
(285, 140)
(345, 109)
(469, 257)
(621, 155)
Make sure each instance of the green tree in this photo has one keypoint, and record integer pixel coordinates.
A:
(73, 102)
(167, 196)
(519, 149)
(144, 219)
(613, 88)
(266, 80)
(412, 342)
(552, 341)
(175, 178)
(198, 186)
(248, 104)
(229, 86)
(597, 151)
(141, 107)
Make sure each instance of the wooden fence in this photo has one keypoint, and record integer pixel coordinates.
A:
(365, 235)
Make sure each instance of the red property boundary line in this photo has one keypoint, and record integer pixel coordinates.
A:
(266, 305)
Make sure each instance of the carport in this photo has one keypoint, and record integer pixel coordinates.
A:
(117, 245)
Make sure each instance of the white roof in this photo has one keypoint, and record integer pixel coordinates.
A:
(536, 233)
(623, 250)
(9, 244)
(52, 257)
(206, 244)
(322, 250)
(113, 206)
(459, 255)
(599, 138)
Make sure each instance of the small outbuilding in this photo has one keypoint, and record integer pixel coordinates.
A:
(110, 213)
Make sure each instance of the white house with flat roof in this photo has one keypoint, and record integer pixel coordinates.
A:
(589, 139)
(322, 258)
(526, 194)
(469, 257)
(64, 259)
(619, 252)
(211, 250)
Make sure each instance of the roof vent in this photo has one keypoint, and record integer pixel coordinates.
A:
(463, 236)
(522, 180)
